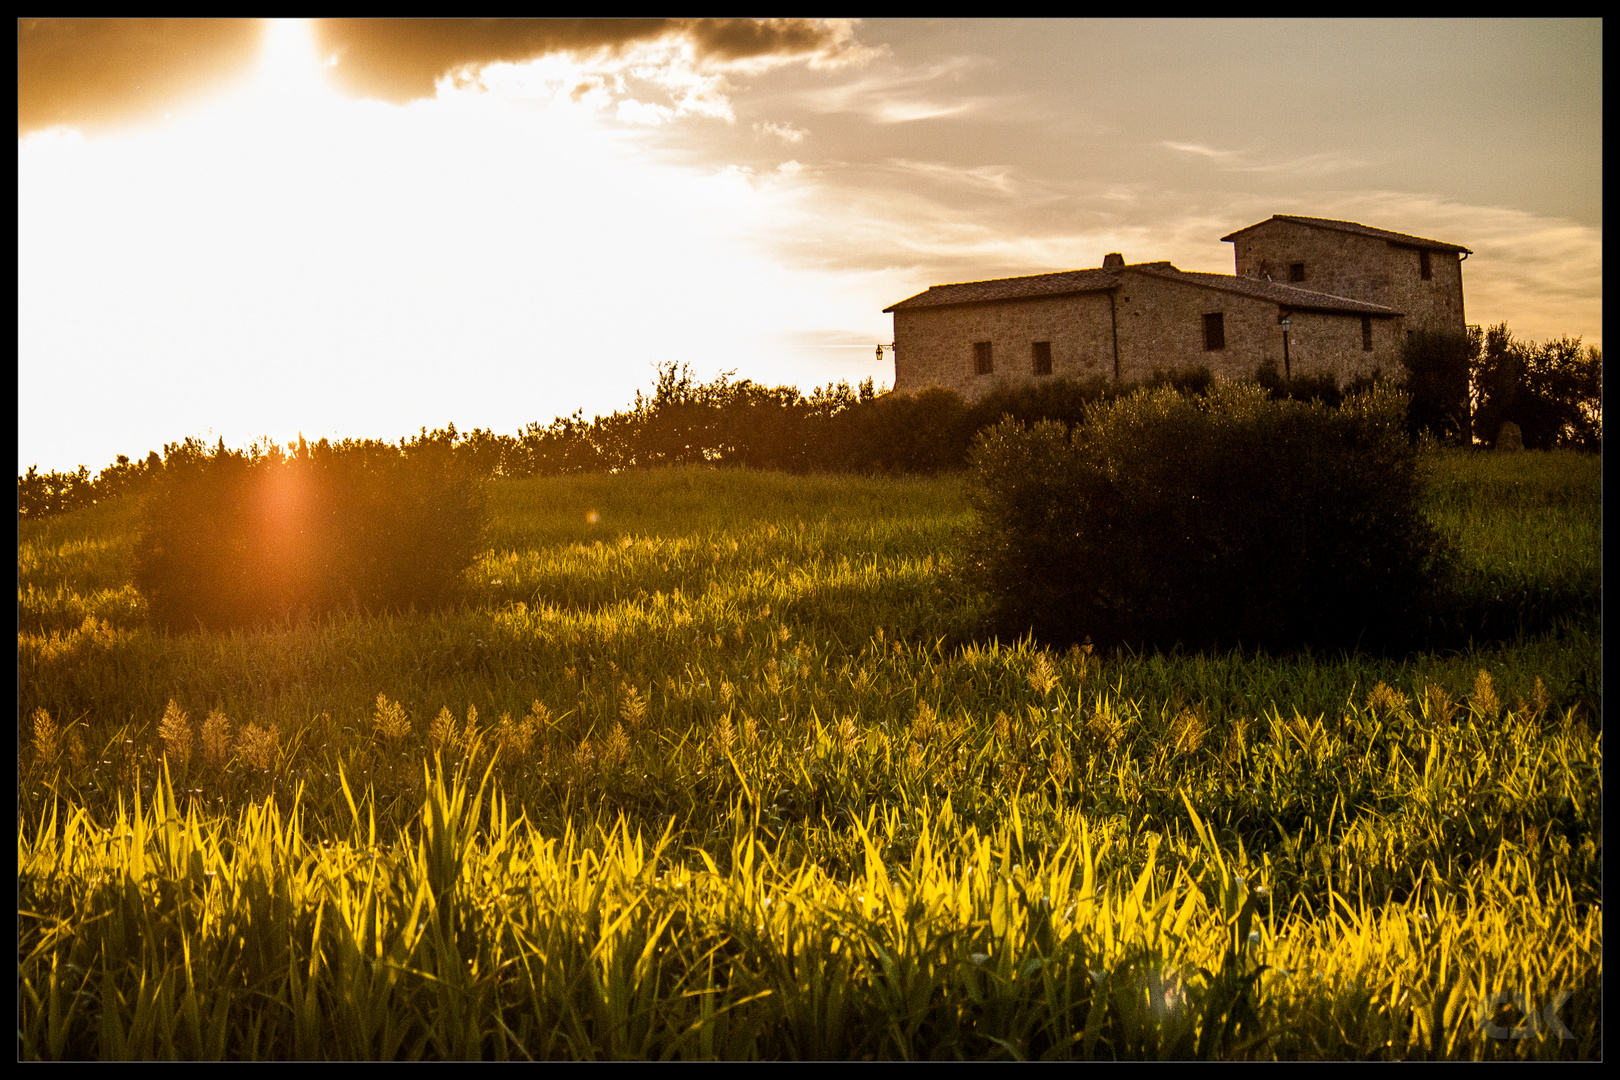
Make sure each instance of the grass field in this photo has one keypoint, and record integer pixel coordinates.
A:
(730, 772)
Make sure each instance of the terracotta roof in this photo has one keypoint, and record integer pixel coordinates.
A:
(1402, 239)
(973, 292)
(1289, 296)
(1069, 282)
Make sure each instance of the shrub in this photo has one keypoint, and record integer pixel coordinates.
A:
(1216, 521)
(1553, 391)
(230, 541)
(1322, 386)
(1437, 367)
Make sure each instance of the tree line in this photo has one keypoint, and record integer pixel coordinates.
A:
(1462, 388)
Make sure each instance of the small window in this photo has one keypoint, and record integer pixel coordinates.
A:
(1296, 271)
(1424, 270)
(981, 357)
(1366, 333)
(1043, 357)
(1214, 332)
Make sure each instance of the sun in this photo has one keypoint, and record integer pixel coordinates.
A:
(289, 68)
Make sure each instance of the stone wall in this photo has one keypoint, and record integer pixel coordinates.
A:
(1435, 304)
(1319, 342)
(1161, 327)
(934, 346)
(1361, 267)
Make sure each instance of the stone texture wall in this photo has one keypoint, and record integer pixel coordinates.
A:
(1436, 304)
(1362, 267)
(1161, 327)
(934, 346)
(1340, 263)
(1320, 342)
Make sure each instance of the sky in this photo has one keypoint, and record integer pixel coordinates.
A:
(244, 229)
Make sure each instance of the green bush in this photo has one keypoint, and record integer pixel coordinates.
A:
(1437, 366)
(1207, 522)
(229, 540)
(1552, 391)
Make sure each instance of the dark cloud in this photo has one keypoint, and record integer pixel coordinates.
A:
(401, 59)
(747, 39)
(95, 72)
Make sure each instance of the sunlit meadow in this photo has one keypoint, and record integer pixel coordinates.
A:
(717, 764)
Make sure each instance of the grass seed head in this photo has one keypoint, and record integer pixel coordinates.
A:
(632, 707)
(390, 720)
(45, 736)
(926, 723)
(175, 729)
(1187, 731)
(617, 747)
(1540, 700)
(1003, 726)
(1484, 701)
(443, 731)
(846, 735)
(584, 754)
(1437, 704)
(216, 740)
(1042, 675)
(724, 734)
(257, 745)
(1384, 700)
(1060, 766)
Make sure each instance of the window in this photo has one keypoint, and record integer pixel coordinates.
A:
(1043, 357)
(981, 357)
(1296, 271)
(1366, 333)
(1214, 332)
(1424, 270)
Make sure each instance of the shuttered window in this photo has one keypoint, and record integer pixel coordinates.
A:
(1214, 332)
(981, 357)
(1043, 357)
(1366, 333)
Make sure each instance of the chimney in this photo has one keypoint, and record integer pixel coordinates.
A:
(1113, 261)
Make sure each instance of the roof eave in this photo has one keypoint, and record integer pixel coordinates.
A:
(997, 299)
(1422, 241)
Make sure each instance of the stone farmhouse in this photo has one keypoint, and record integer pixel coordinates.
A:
(1310, 295)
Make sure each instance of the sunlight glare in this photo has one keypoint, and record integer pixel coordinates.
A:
(288, 67)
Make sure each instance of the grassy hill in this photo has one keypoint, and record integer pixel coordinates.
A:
(755, 784)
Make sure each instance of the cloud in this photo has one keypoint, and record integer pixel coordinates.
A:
(785, 132)
(1238, 161)
(92, 73)
(993, 177)
(904, 95)
(99, 72)
(1203, 151)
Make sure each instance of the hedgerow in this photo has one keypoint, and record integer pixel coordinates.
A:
(232, 540)
(1224, 520)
